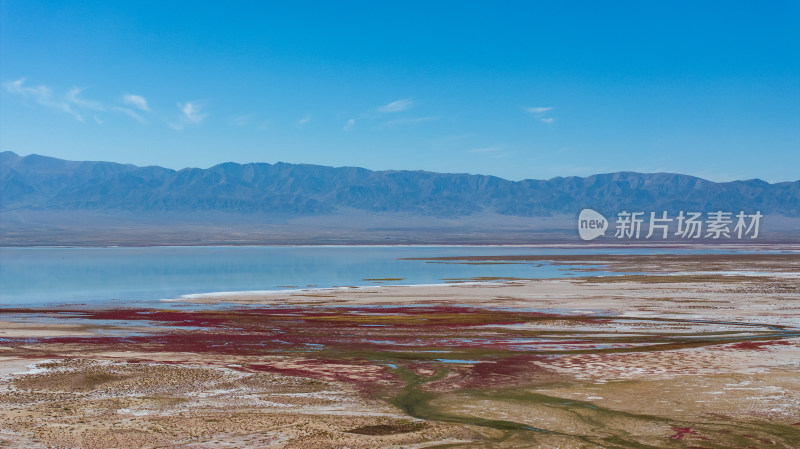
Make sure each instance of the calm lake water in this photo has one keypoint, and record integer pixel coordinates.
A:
(41, 276)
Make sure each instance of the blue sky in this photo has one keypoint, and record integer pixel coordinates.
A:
(513, 89)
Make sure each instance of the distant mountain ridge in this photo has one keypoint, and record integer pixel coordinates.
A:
(43, 183)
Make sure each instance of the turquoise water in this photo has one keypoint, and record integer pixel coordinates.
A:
(40, 276)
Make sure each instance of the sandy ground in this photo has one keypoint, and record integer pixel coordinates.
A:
(705, 359)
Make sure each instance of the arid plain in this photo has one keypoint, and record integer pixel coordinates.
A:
(693, 351)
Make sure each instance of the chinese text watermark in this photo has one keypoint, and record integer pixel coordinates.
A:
(685, 225)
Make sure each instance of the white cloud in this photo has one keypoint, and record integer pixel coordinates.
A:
(304, 120)
(191, 114)
(131, 113)
(397, 106)
(137, 101)
(409, 121)
(540, 112)
(42, 95)
(350, 124)
(73, 96)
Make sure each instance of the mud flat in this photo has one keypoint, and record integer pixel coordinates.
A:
(692, 351)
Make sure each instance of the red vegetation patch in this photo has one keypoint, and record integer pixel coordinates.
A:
(758, 345)
(503, 371)
(680, 432)
(328, 340)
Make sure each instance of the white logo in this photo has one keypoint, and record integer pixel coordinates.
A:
(686, 225)
(591, 224)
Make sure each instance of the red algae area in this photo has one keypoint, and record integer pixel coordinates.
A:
(435, 334)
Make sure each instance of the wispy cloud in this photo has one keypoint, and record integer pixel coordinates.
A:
(73, 96)
(242, 120)
(137, 101)
(540, 114)
(130, 113)
(191, 114)
(349, 125)
(75, 103)
(41, 95)
(538, 111)
(409, 121)
(304, 120)
(397, 106)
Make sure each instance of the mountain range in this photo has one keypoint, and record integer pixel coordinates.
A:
(43, 183)
(49, 201)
